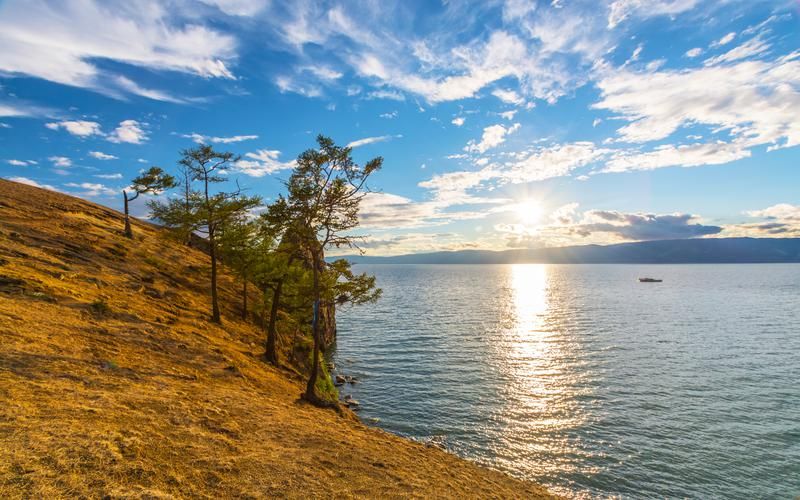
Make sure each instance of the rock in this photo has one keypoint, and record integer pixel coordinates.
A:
(339, 380)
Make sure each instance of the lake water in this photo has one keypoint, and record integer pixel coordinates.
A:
(585, 380)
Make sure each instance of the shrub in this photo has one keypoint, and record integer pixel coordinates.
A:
(100, 307)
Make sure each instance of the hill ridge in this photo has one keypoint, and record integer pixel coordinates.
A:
(684, 251)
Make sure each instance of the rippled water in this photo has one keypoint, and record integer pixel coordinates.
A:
(583, 379)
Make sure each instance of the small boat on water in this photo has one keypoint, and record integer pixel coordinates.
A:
(649, 280)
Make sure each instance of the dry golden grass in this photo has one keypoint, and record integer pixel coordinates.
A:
(113, 382)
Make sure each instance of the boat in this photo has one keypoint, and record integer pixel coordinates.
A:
(649, 280)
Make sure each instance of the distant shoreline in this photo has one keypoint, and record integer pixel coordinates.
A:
(685, 251)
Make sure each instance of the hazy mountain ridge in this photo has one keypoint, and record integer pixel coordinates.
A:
(686, 251)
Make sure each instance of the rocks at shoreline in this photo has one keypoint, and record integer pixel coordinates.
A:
(340, 380)
(351, 403)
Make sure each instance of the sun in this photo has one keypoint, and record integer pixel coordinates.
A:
(528, 211)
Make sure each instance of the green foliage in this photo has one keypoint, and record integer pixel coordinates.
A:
(204, 211)
(325, 388)
(153, 180)
(318, 212)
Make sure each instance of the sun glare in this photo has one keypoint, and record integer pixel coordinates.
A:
(528, 212)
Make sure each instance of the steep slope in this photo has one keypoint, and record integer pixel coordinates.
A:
(112, 382)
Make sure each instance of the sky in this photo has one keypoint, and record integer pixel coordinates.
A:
(502, 123)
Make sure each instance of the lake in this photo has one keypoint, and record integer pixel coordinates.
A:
(585, 380)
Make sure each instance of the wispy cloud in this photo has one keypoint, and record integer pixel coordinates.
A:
(61, 161)
(658, 103)
(372, 140)
(37, 42)
(21, 163)
(92, 189)
(31, 182)
(204, 139)
(102, 156)
(493, 136)
(263, 162)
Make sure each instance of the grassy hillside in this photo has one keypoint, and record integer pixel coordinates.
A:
(113, 382)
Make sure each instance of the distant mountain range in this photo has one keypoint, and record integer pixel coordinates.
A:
(686, 251)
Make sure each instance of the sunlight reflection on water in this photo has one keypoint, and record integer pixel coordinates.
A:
(583, 379)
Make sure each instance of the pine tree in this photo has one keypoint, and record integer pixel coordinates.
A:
(324, 193)
(154, 181)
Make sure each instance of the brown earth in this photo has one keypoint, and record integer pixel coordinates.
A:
(113, 383)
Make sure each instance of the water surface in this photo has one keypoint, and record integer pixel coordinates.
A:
(583, 379)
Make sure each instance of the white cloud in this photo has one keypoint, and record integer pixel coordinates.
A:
(102, 156)
(508, 96)
(552, 161)
(18, 109)
(38, 42)
(669, 155)
(289, 84)
(725, 40)
(752, 47)
(109, 176)
(695, 52)
(31, 182)
(204, 139)
(372, 140)
(61, 161)
(238, 7)
(323, 72)
(92, 189)
(386, 94)
(389, 116)
(263, 162)
(535, 164)
(79, 128)
(134, 88)
(493, 136)
(508, 115)
(780, 221)
(458, 121)
(129, 131)
(757, 102)
(20, 163)
(619, 10)
(783, 211)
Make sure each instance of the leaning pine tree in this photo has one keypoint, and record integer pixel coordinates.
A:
(154, 181)
(324, 193)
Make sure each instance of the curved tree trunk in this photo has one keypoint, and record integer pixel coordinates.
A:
(128, 233)
(311, 393)
(215, 316)
(272, 333)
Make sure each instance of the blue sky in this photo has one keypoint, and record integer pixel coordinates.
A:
(502, 123)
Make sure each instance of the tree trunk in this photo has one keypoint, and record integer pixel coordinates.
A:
(272, 333)
(244, 299)
(128, 233)
(215, 316)
(311, 394)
